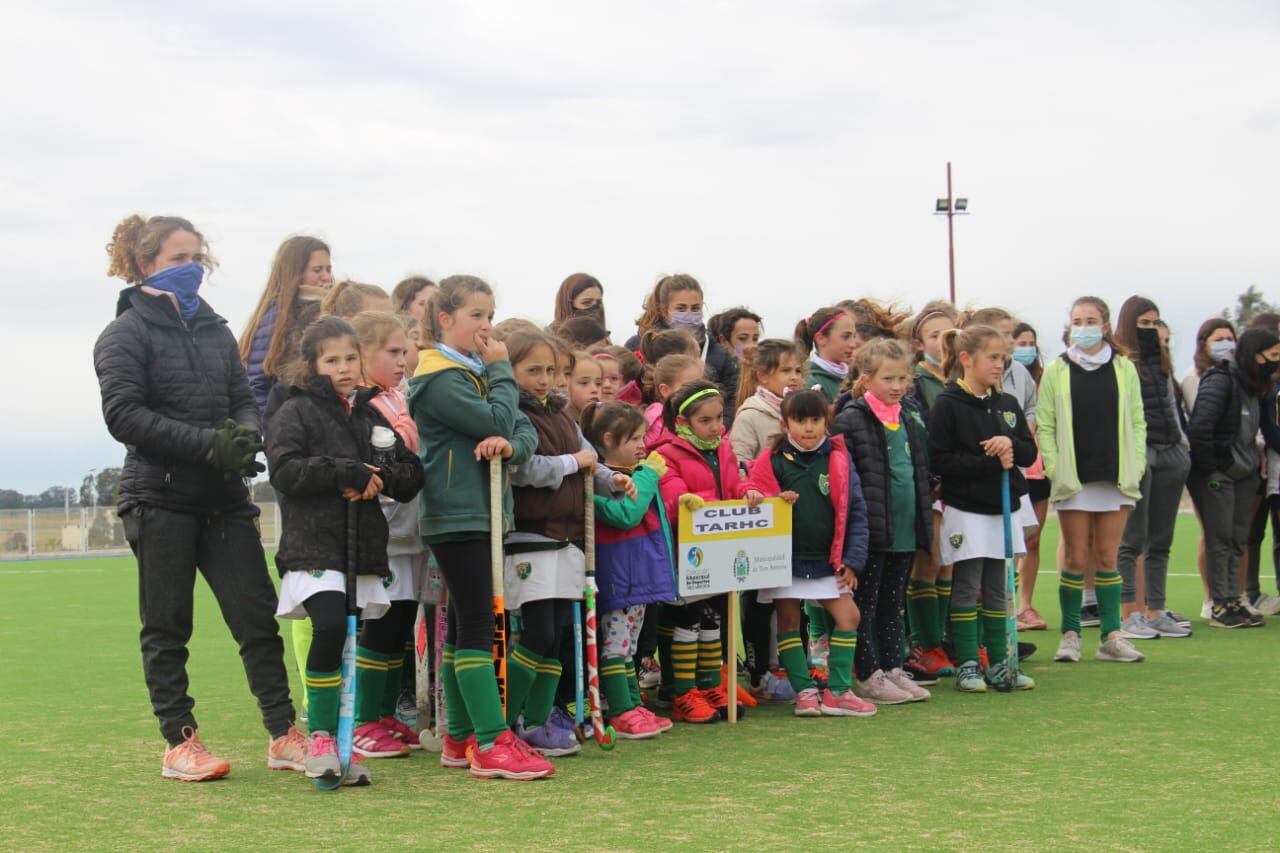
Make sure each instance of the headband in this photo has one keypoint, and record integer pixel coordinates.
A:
(705, 392)
(915, 330)
(823, 327)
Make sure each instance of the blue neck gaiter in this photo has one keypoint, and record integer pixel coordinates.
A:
(183, 282)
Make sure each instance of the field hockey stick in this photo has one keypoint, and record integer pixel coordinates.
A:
(442, 632)
(347, 692)
(495, 568)
(1010, 590)
(578, 698)
(605, 735)
(427, 682)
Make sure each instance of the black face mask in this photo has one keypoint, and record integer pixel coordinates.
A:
(1149, 343)
(595, 312)
(1267, 369)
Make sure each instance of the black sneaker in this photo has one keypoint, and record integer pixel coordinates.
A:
(1227, 616)
(918, 674)
(1252, 619)
(1026, 650)
(1089, 617)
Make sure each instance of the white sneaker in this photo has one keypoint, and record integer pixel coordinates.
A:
(1206, 610)
(881, 691)
(899, 679)
(1068, 648)
(1118, 650)
(1136, 628)
(1268, 605)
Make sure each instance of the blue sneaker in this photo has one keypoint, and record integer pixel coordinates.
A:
(561, 720)
(774, 690)
(549, 740)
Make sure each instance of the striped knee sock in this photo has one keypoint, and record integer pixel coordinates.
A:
(844, 645)
(710, 656)
(684, 659)
(794, 661)
(994, 637)
(322, 700)
(922, 611)
(522, 670)
(479, 686)
(1070, 595)
(617, 689)
(537, 707)
(460, 727)
(964, 631)
(371, 680)
(943, 618)
(1108, 586)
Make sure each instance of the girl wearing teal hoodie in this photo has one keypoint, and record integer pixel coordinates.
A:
(1093, 439)
(465, 402)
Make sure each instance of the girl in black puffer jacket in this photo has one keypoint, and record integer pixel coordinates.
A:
(329, 448)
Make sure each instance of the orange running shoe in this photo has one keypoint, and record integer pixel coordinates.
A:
(744, 696)
(288, 752)
(694, 707)
(190, 761)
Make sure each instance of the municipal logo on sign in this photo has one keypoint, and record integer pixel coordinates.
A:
(695, 557)
(741, 566)
(523, 570)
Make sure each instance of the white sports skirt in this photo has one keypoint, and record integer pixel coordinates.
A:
(297, 587)
(406, 576)
(970, 535)
(1096, 497)
(808, 589)
(539, 575)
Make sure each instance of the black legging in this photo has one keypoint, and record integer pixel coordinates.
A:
(388, 634)
(466, 570)
(881, 587)
(328, 612)
(757, 631)
(543, 623)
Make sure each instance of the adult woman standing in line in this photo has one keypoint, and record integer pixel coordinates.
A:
(580, 295)
(1149, 531)
(174, 393)
(300, 275)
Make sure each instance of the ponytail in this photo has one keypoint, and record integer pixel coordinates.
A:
(136, 241)
(820, 321)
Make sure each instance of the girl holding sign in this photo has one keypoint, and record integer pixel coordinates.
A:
(700, 467)
(829, 545)
(977, 432)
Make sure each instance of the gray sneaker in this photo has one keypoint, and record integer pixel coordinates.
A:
(1068, 649)
(1166, 626)
(1118, 650)
(1136, 628)
(1268, 605)
(322, 756)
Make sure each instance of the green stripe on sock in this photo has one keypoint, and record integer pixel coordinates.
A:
(479, 686)
(617, 687)
(1109, 586)
(371, 682)
(922, 612)
(460, 727)
(710, 660)
(994, 636)
(537, 707)
(794, 660)
(522, 670)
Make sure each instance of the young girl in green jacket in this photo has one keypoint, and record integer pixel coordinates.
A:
(1093, 438)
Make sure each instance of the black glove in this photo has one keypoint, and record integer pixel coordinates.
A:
(234, 447)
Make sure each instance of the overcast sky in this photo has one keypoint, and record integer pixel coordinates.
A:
(787, 155)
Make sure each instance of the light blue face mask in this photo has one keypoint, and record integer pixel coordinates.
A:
(1086, 337)
(1223, 350)
(1026, 356)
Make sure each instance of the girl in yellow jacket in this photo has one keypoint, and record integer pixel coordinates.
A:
(1093, 437)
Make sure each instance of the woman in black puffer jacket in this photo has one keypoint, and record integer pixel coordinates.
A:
(174, 393)
(1225, 465)
(1148, 533)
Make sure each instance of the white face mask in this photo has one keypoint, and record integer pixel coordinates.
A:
(1222, 350)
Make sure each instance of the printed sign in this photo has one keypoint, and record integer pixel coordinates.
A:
(727, 546)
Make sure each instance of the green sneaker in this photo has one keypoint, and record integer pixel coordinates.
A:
(969, 678)
(998, 677)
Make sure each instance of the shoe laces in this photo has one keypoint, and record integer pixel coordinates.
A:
(191, 745)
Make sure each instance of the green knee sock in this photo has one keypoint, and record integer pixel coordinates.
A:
(993, 635)
(460, 727)
(371, 679)
(522, 671)
(633, 683)
(964, 631)
(922, 612)
(617, 689)
(300, 633)
(1108, 586)
(844, 645)
(479, 686)
(1070, 597)
(819, 621)
(709, 658)
(537, 707)
(794, 661)
(943, 618)
(322, 700)
(395, 682)
(684, 660)
(664, 655)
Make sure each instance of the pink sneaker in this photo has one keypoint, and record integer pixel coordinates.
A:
(509, 758)
(401, 732)
(190, 761)
(663, 724)
(373, 741)
(845, 705)
(634, 725)
(807, 704)
(454, 753)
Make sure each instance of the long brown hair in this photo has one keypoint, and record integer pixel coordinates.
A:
(283, 289)
(569, 290)
(407, 290)
(764, 357)
(655, 304)
(1126, 330)
(136, 241)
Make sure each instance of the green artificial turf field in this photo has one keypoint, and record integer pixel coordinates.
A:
(1176, 753)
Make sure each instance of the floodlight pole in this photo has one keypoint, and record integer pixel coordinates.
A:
(951, 237)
